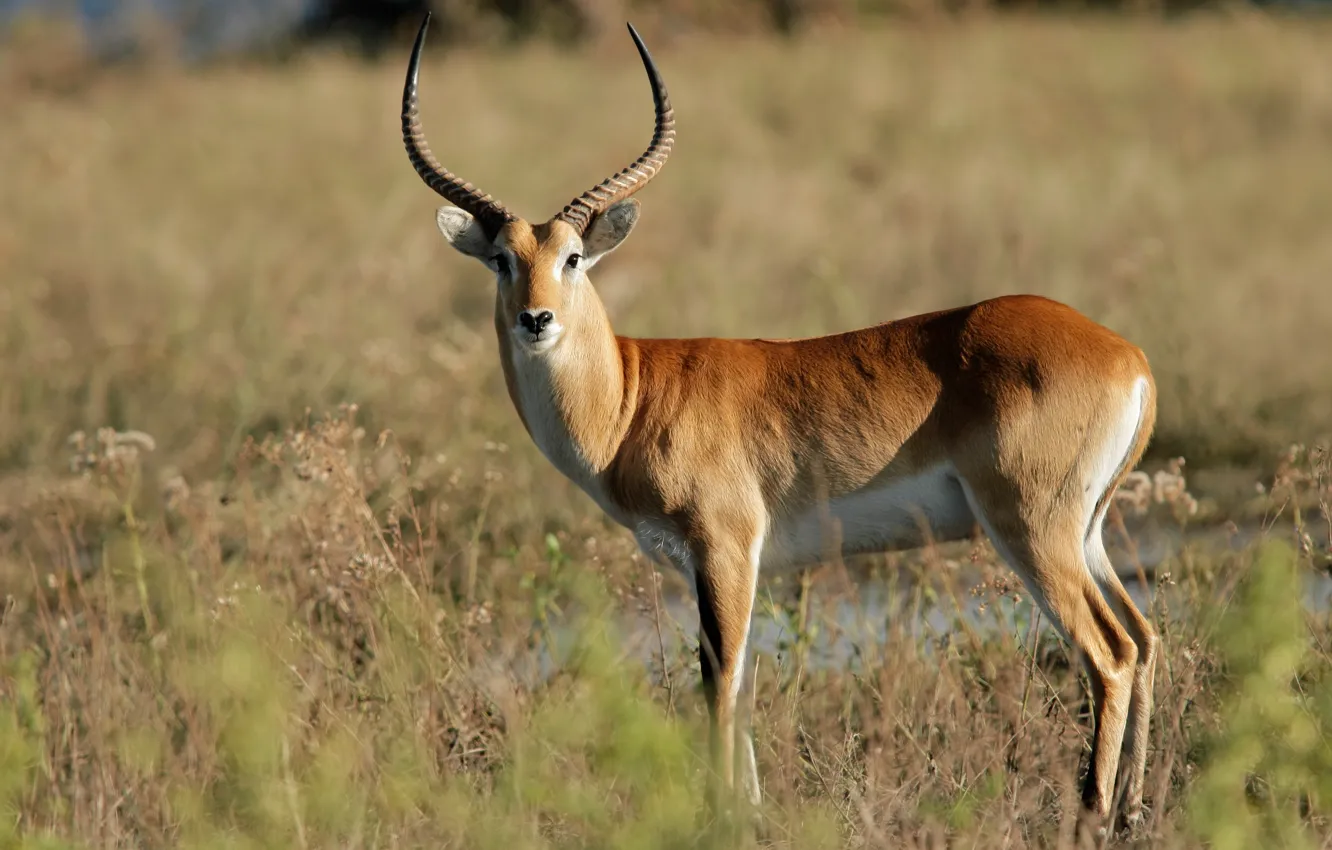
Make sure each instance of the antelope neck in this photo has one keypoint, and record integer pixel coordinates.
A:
(576, 400)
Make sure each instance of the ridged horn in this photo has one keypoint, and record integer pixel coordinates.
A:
(489, 212)
(580, 212)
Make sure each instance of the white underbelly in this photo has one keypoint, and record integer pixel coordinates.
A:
(902, 514)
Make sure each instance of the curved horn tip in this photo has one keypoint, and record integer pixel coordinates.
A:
(633, 33)
(425, 25)
(645, 55)
(414, 63)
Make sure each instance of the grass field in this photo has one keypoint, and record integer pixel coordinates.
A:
(299, 600)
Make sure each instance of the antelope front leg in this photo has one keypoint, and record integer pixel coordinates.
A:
(727, 573)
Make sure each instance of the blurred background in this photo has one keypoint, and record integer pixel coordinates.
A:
(207, 223)
(208, 226)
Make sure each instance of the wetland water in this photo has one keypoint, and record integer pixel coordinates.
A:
(853, 616)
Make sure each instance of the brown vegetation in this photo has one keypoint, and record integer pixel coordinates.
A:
(263, 627)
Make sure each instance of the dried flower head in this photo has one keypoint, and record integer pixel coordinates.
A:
(1134, 496)
(1168, 486)
(109, 454)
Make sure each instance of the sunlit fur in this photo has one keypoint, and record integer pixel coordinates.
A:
(727, 456)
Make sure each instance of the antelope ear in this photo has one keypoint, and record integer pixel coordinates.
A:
(608, 230)
(464, 233)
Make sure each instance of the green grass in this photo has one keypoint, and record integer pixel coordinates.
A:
(280, 629)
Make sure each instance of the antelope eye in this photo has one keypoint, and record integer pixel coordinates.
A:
(574, 260)
(501, 263)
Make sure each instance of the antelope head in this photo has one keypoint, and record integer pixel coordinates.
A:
(540, 270)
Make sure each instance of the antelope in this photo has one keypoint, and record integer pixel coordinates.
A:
(726, 457)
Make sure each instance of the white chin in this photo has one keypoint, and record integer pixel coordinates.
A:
(539, 346)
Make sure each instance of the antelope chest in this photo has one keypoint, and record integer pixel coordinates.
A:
(549, 428)
(541, 407)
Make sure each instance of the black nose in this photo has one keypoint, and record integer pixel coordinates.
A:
(535, 322)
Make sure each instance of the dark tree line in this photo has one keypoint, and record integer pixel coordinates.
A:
(374, 25)
(371, 27)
